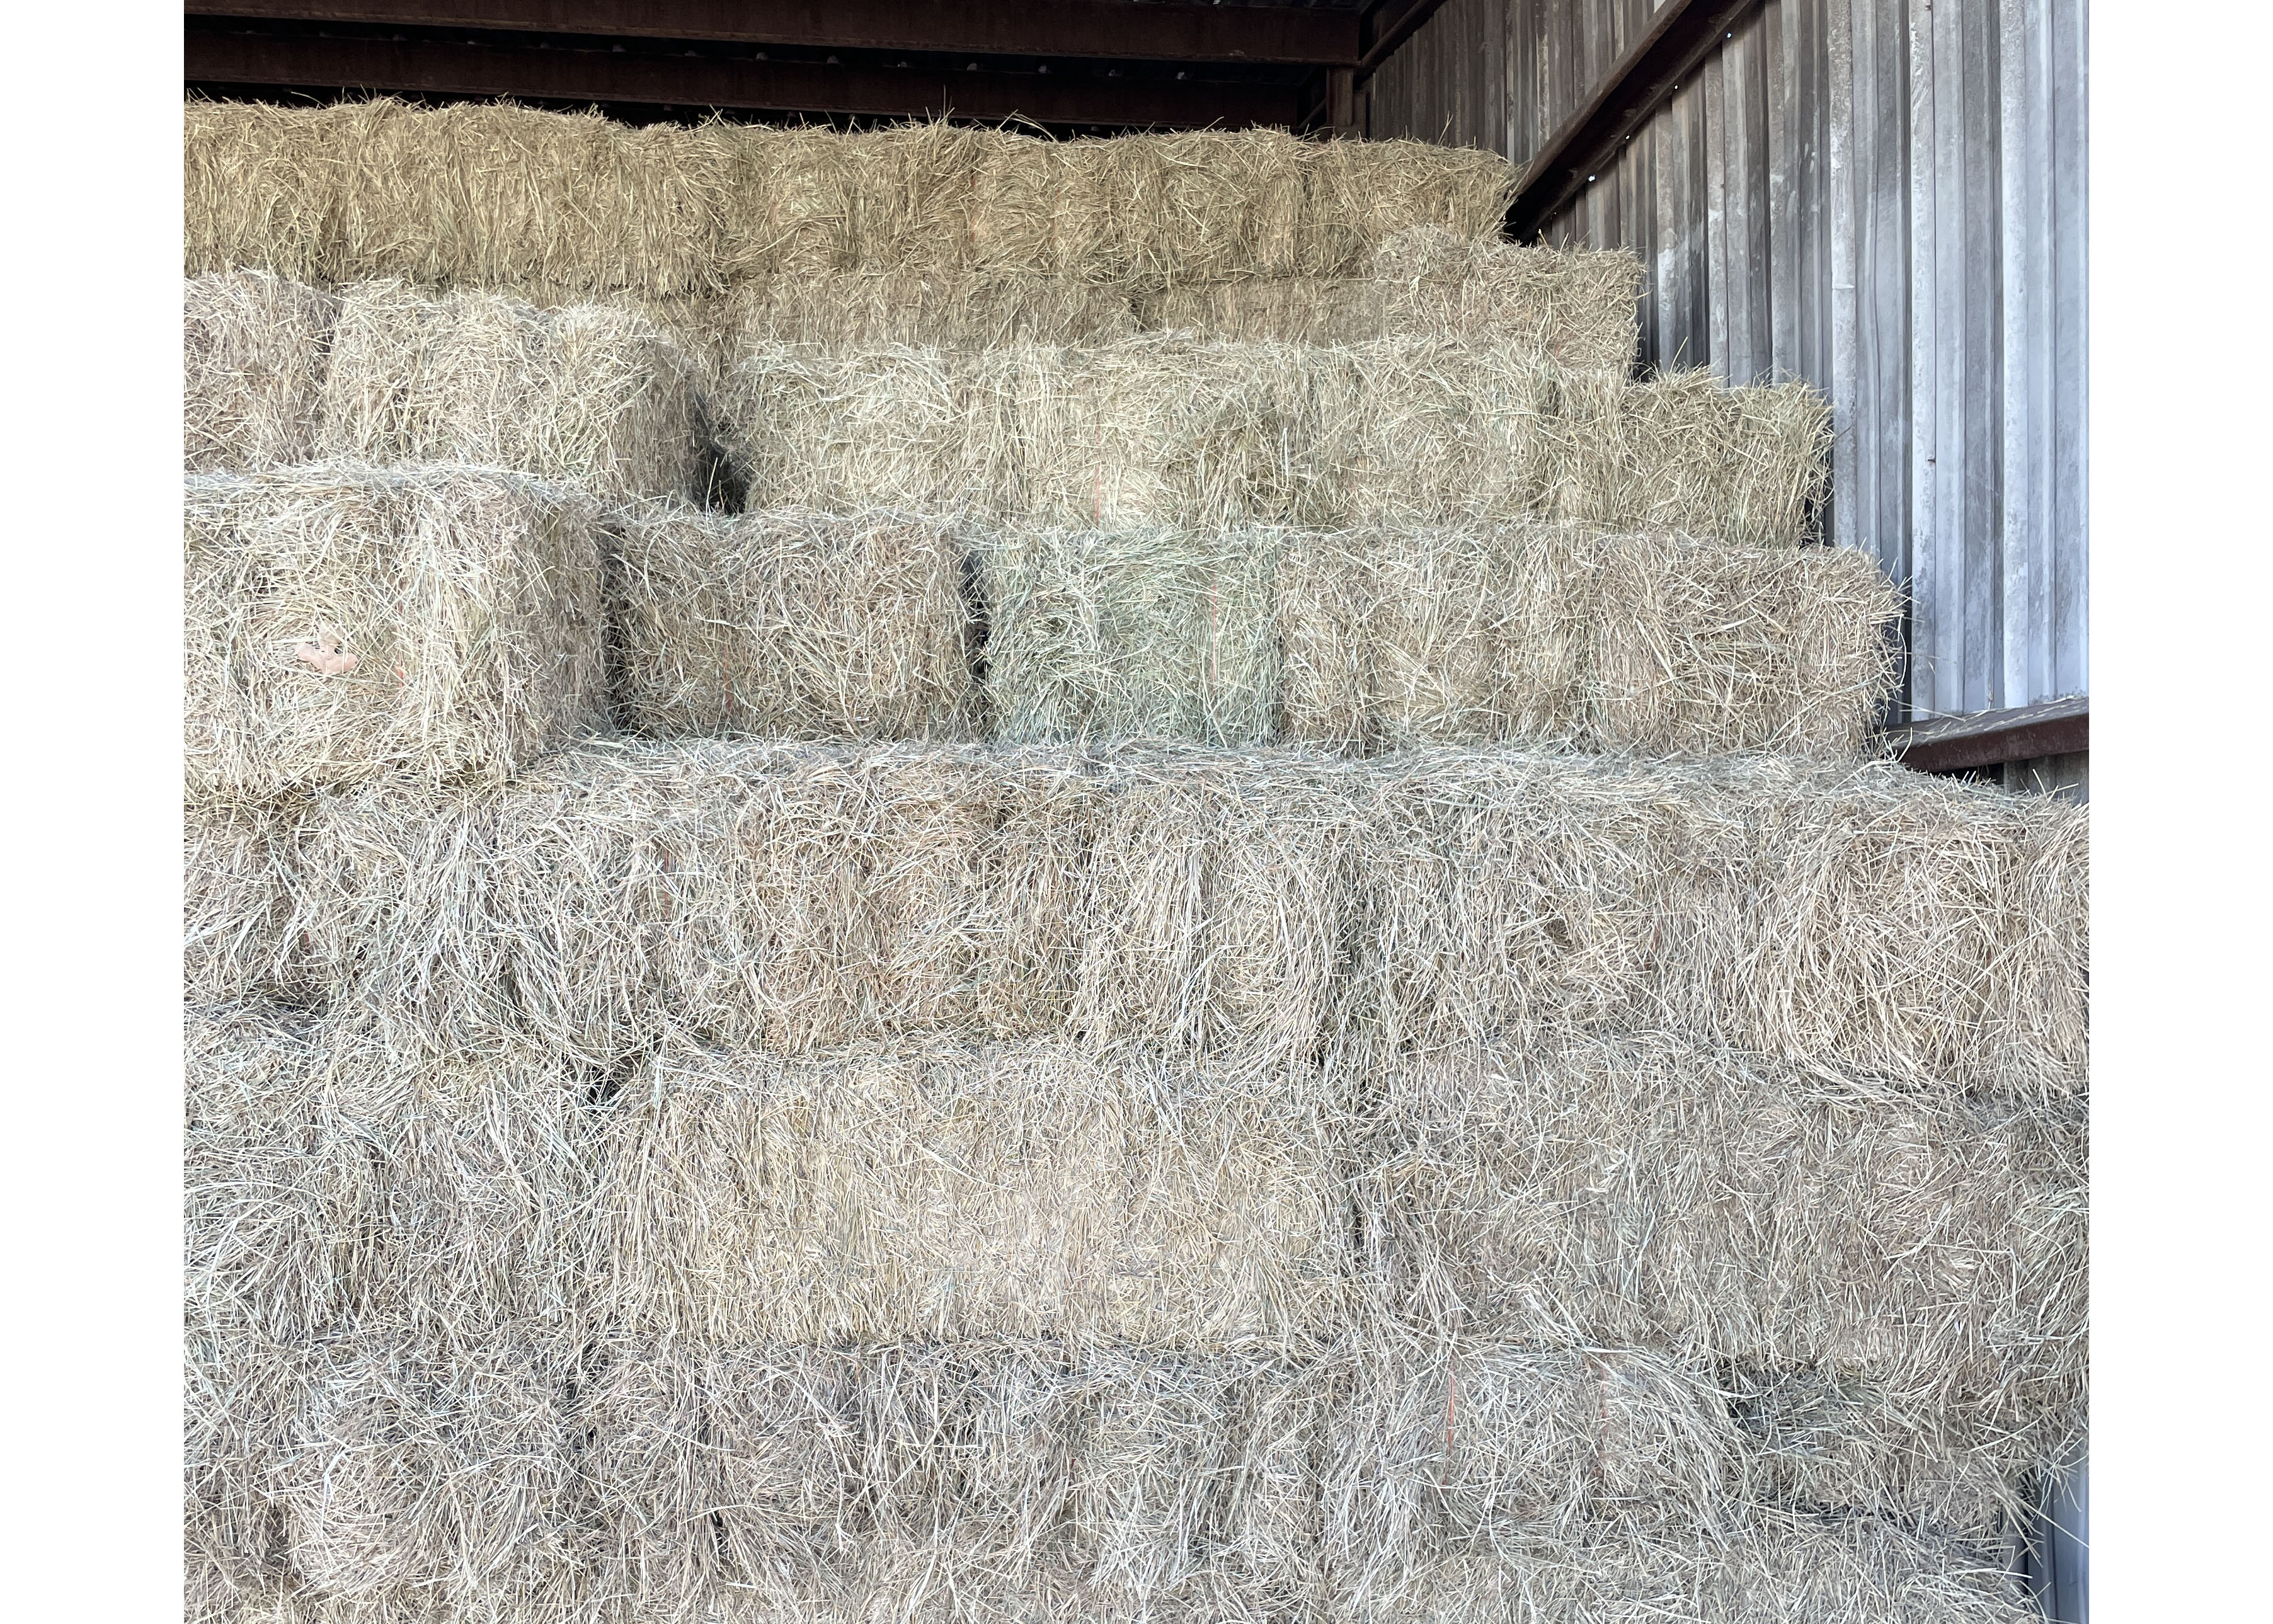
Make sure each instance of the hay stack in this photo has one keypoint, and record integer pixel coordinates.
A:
(1841, 1249)
(588, 393)
(794, 623)
(1573, 307)
(1261, 908)
(949, 1194)
(1161, 429)
(1100, 635)
(344, 623)
(552, 206)
(254, 350)
(1555, 636)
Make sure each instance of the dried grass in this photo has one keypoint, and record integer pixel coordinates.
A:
(1551, 636)
(795, 624)
(946, 1194)
(554, 205)
(254, 350)
(589, 393)
(343, 623)
(1576, 308)
(1161, 429)
(481, 195)
(1893, 1286)
(1264, 907)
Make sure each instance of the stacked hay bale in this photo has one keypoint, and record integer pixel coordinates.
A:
(1238, 955)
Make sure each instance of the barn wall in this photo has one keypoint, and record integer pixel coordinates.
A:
(1885, 197)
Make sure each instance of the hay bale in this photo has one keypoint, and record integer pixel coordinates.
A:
(551, 206)
(949, 309)
(346, 623)
(1556, 636)
(1562, 636)
(1263, 908)
(1576, 308)
(1162, 430)
(1852, 1253)
(1363, 194)
(792, 623)
(1101, 635)
(254, 350)
(589, 393)
(943, 1193)
(1681, 451)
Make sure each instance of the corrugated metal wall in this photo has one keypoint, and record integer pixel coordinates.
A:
(1885, 197)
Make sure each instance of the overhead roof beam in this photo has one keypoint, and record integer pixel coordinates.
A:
(1113, 28)
(1681, 33)
(423, 66)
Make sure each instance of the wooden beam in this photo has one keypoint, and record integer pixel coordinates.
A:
(1681, 35)
(1387, 24)
(607, 77)
(1992, 737)
(1060, 28)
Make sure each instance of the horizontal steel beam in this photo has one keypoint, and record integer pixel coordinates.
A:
(1992, 737)
(1682, 32)
(622, 78)
(1057, 28)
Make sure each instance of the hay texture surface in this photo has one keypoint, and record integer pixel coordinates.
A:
(792, 623)
(254, 350)
(1168, 430)
(1556, 636)
(1264, 909)
(588, 393)
(1575, 307)
(560, 204)
(343, 623)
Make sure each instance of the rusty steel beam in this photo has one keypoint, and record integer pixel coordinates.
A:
(1682, 32)
(604, 77)
(1059, 28)
(1992, 737)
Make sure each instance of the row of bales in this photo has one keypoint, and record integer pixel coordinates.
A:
(937, 875)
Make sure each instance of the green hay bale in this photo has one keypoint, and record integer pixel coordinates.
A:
(792, 623)
(344, 623)
(587, 394)
(254, 350)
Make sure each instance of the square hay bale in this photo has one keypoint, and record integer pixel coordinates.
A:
(1101, 635)
(1864, 916)
(346, 623)
(254, 350)
(1682, 452)
(946, 309)
(1266, 908)
(1363, 194)
(948, 1192)
(1564, 636)
(1576, 308)
(789, 623)
(552, 206)
(590, 393)
(1923, 1255)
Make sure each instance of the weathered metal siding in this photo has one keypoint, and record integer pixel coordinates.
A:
(1885, 197)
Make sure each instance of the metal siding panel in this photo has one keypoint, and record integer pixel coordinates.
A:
(2024, 203)
(1715, 126)
(1929, 637)
(2070, 428)
(1983, 375)
(1783, 189)
(1840, 183)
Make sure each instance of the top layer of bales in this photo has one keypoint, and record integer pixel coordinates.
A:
(554, 205)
